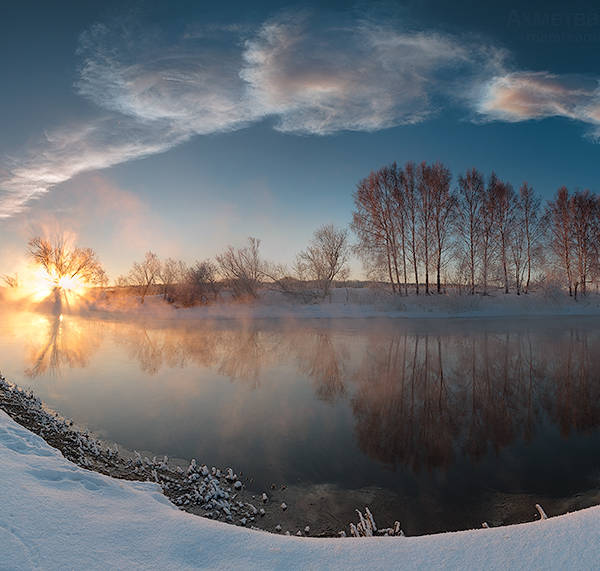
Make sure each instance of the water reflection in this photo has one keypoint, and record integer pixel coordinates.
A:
(237, 354)
(422, 398)
(55, 342)
(418, 399)
(404, 410)
(322, 361)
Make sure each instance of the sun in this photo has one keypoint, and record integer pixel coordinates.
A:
(72, 285)
(62, 272)
(46, 284)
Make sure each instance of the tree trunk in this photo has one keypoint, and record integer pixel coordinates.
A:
(416, 273)
(404, 263)
(426, 267)
(528, 236)
(389, 264)
(504, 265)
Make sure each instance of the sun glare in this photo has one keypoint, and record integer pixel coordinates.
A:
(44, 285)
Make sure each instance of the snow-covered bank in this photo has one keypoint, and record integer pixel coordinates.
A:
(359, 303)
(213, 493)
(56, 515)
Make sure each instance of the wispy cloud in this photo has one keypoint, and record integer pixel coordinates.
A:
(364, 77)
(193, 86)
(311, 78)
(151, 96)
(523, 96)
(63, 154)
(153, 92)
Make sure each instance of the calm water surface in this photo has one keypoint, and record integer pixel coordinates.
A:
(442, 424)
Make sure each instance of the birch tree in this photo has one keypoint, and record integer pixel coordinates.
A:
(443, 206)
(470, 192)
(583, 207)
(503, 201)
(408, 183)
(558, 215)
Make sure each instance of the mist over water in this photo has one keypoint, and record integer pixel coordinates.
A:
(442, 424)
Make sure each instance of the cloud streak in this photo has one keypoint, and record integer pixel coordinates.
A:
(524, 96)
(65, 153)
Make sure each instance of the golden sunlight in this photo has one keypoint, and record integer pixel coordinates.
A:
(61, 270)
(44, 284)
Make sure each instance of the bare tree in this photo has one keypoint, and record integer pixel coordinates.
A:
(243, 268)
(202, 281)
(63, 262)
(487, 215)
(68, 268)
(145, 274)
(470, 191)
(502, 195)
(443, 206)
(517, 245)
(400, 210)
(583, 207)
(425, 184)
(122, 281)
(410, 212)
(529, 208)
(279, 278)
(377, 224)
(11, 281)
(558, 215)
(169, 273)
(326, 257)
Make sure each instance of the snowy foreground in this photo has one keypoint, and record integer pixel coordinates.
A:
(55, 515)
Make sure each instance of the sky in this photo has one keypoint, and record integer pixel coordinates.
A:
(183, 127)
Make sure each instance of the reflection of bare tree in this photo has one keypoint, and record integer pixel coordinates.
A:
(158, 347)
(575, 402)
(60, 341)
(235, 353)
(240, 353)
(243, 354)
(402, 403)
(320, 360)
(147, 350)
(421, 399)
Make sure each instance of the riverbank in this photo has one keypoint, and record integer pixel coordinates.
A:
(213, 493)
(359, 303)
(57, 515)
(341, 302)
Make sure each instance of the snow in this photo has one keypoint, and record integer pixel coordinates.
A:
(55, 515)
(360, 303)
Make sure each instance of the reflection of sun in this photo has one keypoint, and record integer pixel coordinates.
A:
(57, 342)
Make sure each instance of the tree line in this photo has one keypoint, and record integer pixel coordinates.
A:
(416, 230)
(414, 227)
(244, 271)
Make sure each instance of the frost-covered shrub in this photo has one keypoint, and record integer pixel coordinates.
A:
(366, 526)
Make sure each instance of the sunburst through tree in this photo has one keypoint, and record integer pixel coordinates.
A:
(64, 272)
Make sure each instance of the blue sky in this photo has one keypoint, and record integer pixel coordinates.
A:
(182, 127)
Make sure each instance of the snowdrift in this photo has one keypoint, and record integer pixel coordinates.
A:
(56, 515)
